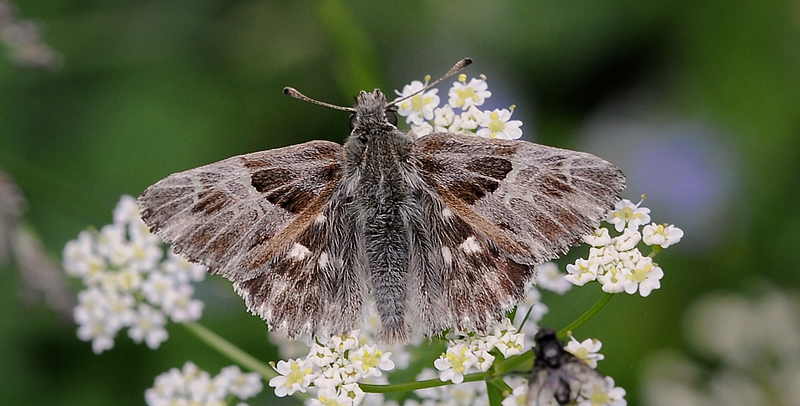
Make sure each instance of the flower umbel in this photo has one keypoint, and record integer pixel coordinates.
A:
(129, 282)
(333, 369)
(461, 114)
(616, 262)
(192, 386)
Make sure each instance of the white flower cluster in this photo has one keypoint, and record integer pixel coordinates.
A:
(460, 115)
(128, 282)
(750, 351)
(471, 352)
(193, 386)
(616, 262)
(334, 366)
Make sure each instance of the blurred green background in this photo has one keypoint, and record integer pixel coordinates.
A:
(697, 101)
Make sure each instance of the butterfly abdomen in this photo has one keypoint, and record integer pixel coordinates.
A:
(385, 205)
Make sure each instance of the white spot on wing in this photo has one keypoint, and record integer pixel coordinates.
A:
(511, 176)
(299, 252)
(323, 259)
(320, 218)
(470, 245)
(447, 256)
(247, 182)
(446, 212)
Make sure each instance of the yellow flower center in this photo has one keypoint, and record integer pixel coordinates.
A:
(371, 360)
(296, 376)
(600, 398)
(95, 268)
(639, 275)
(613, 270)
(457, 361)
(464, 95)
(328, 402)
(138, 252)
(581, 353)
(496, 125)
(417, 102)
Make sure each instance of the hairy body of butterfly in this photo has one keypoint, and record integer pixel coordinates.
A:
(439, 232)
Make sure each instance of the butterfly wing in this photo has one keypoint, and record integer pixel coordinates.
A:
(257, 219)
(494, 209)
(459, 278)
(532, 201)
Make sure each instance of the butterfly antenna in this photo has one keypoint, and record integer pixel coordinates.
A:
(455, 69)
(297, 95)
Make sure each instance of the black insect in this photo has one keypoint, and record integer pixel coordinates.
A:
(558, 376)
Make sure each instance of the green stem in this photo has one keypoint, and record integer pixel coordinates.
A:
(495, 390)
(412, 386)
(231, 351)
(512, 363)
(586, 316)
(656, 250)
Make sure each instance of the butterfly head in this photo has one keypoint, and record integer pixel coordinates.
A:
(371, 110)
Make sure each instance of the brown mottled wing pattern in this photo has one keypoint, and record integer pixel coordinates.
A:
(252, 219)
(465, 280)
(531, 201)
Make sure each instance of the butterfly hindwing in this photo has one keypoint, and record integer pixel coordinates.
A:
(531, 200)
(312, 287)
(459, 278)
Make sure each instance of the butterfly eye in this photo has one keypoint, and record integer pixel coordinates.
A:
(391, 116)
(352, 122)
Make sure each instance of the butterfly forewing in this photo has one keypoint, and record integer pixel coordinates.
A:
(531, 200)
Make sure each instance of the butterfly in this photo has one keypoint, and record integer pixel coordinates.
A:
(434, 233)
(558, 376)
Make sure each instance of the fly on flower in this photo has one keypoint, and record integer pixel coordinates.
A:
(559, 377)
